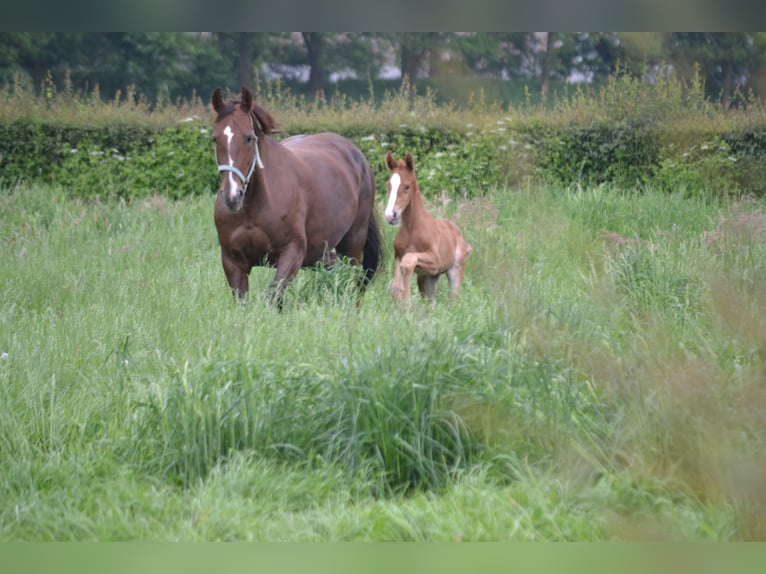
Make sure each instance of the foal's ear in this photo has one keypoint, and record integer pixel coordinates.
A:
(409, 162)
(247, 99)
(390, 161)
(217, 99)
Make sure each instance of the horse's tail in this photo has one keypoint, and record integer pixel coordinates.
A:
(372, 256)
(372, 252)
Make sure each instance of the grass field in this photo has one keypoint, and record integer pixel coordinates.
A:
(601, 377)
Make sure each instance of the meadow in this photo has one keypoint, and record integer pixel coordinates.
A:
(601, 377)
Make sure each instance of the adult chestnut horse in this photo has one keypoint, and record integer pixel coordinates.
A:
(424, 245)
(290, 203)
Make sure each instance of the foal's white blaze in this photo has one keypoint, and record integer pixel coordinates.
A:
(395, 181)
(229, 133)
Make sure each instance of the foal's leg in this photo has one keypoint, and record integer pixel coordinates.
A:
(425, 261)
(455, 279)
(457, 270)
(397, 285)
(427, 285)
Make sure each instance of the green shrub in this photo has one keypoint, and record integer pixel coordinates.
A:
(705, 168)
(445, 160)
(178, 162)
(595, 154)
(627, 133)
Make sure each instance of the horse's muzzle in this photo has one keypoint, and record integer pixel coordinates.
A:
(392, 218)
(234, 198)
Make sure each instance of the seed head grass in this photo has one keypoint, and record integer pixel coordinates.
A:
(599, 377)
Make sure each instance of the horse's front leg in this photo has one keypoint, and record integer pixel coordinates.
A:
(290, 261)
(397, 285)
(406, 269)
(237, 277)
(428, 269)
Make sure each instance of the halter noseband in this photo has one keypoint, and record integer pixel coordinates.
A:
(256, 160)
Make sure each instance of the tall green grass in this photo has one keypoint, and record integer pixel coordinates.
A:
(600, 377)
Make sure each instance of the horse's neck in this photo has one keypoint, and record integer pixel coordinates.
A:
(416, 213)
(256, 196)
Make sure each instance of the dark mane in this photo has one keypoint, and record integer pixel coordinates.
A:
(260, 116)
(268, 124)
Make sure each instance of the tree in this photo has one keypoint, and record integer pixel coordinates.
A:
(588, 55)
(339, 53)
(412, 51)
(244, 50)
(314, 42)
(726, 59)
(499, 54)
(158, 66)
(322, 54)
(548, 55)
(35, 54)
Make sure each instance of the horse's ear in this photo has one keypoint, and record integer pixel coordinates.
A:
(247, 99)
(409, 162)
(390, 161)
(217, 99)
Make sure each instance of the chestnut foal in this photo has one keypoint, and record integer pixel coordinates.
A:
(424, 245)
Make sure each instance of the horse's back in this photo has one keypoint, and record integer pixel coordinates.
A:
(336, 168)
(454, 247)
(327, 146)
(338, 191)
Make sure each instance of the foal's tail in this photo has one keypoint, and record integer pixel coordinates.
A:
(372, 256)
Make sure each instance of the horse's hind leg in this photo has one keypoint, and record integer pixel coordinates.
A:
(427, 285)
(455, 280)
(457, 270)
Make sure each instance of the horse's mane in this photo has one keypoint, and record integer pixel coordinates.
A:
(260, 116)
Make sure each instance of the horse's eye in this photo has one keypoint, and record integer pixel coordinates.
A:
(215, 139)
(249, 139)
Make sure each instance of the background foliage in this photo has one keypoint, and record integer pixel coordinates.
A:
(599, 378)
(627, 132)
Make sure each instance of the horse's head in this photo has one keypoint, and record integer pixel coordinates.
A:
(401, 185)
(236, 145)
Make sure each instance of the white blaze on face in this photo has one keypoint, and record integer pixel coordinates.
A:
(229, 136)
(395, 182)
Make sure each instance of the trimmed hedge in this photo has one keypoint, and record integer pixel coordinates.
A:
(125, 161)
(628, 134)
(179, 161)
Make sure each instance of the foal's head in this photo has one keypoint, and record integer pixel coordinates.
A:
(238, 125)
(401, 186)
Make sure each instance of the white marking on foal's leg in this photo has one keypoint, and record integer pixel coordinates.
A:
(395, 183)
(455, 273)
